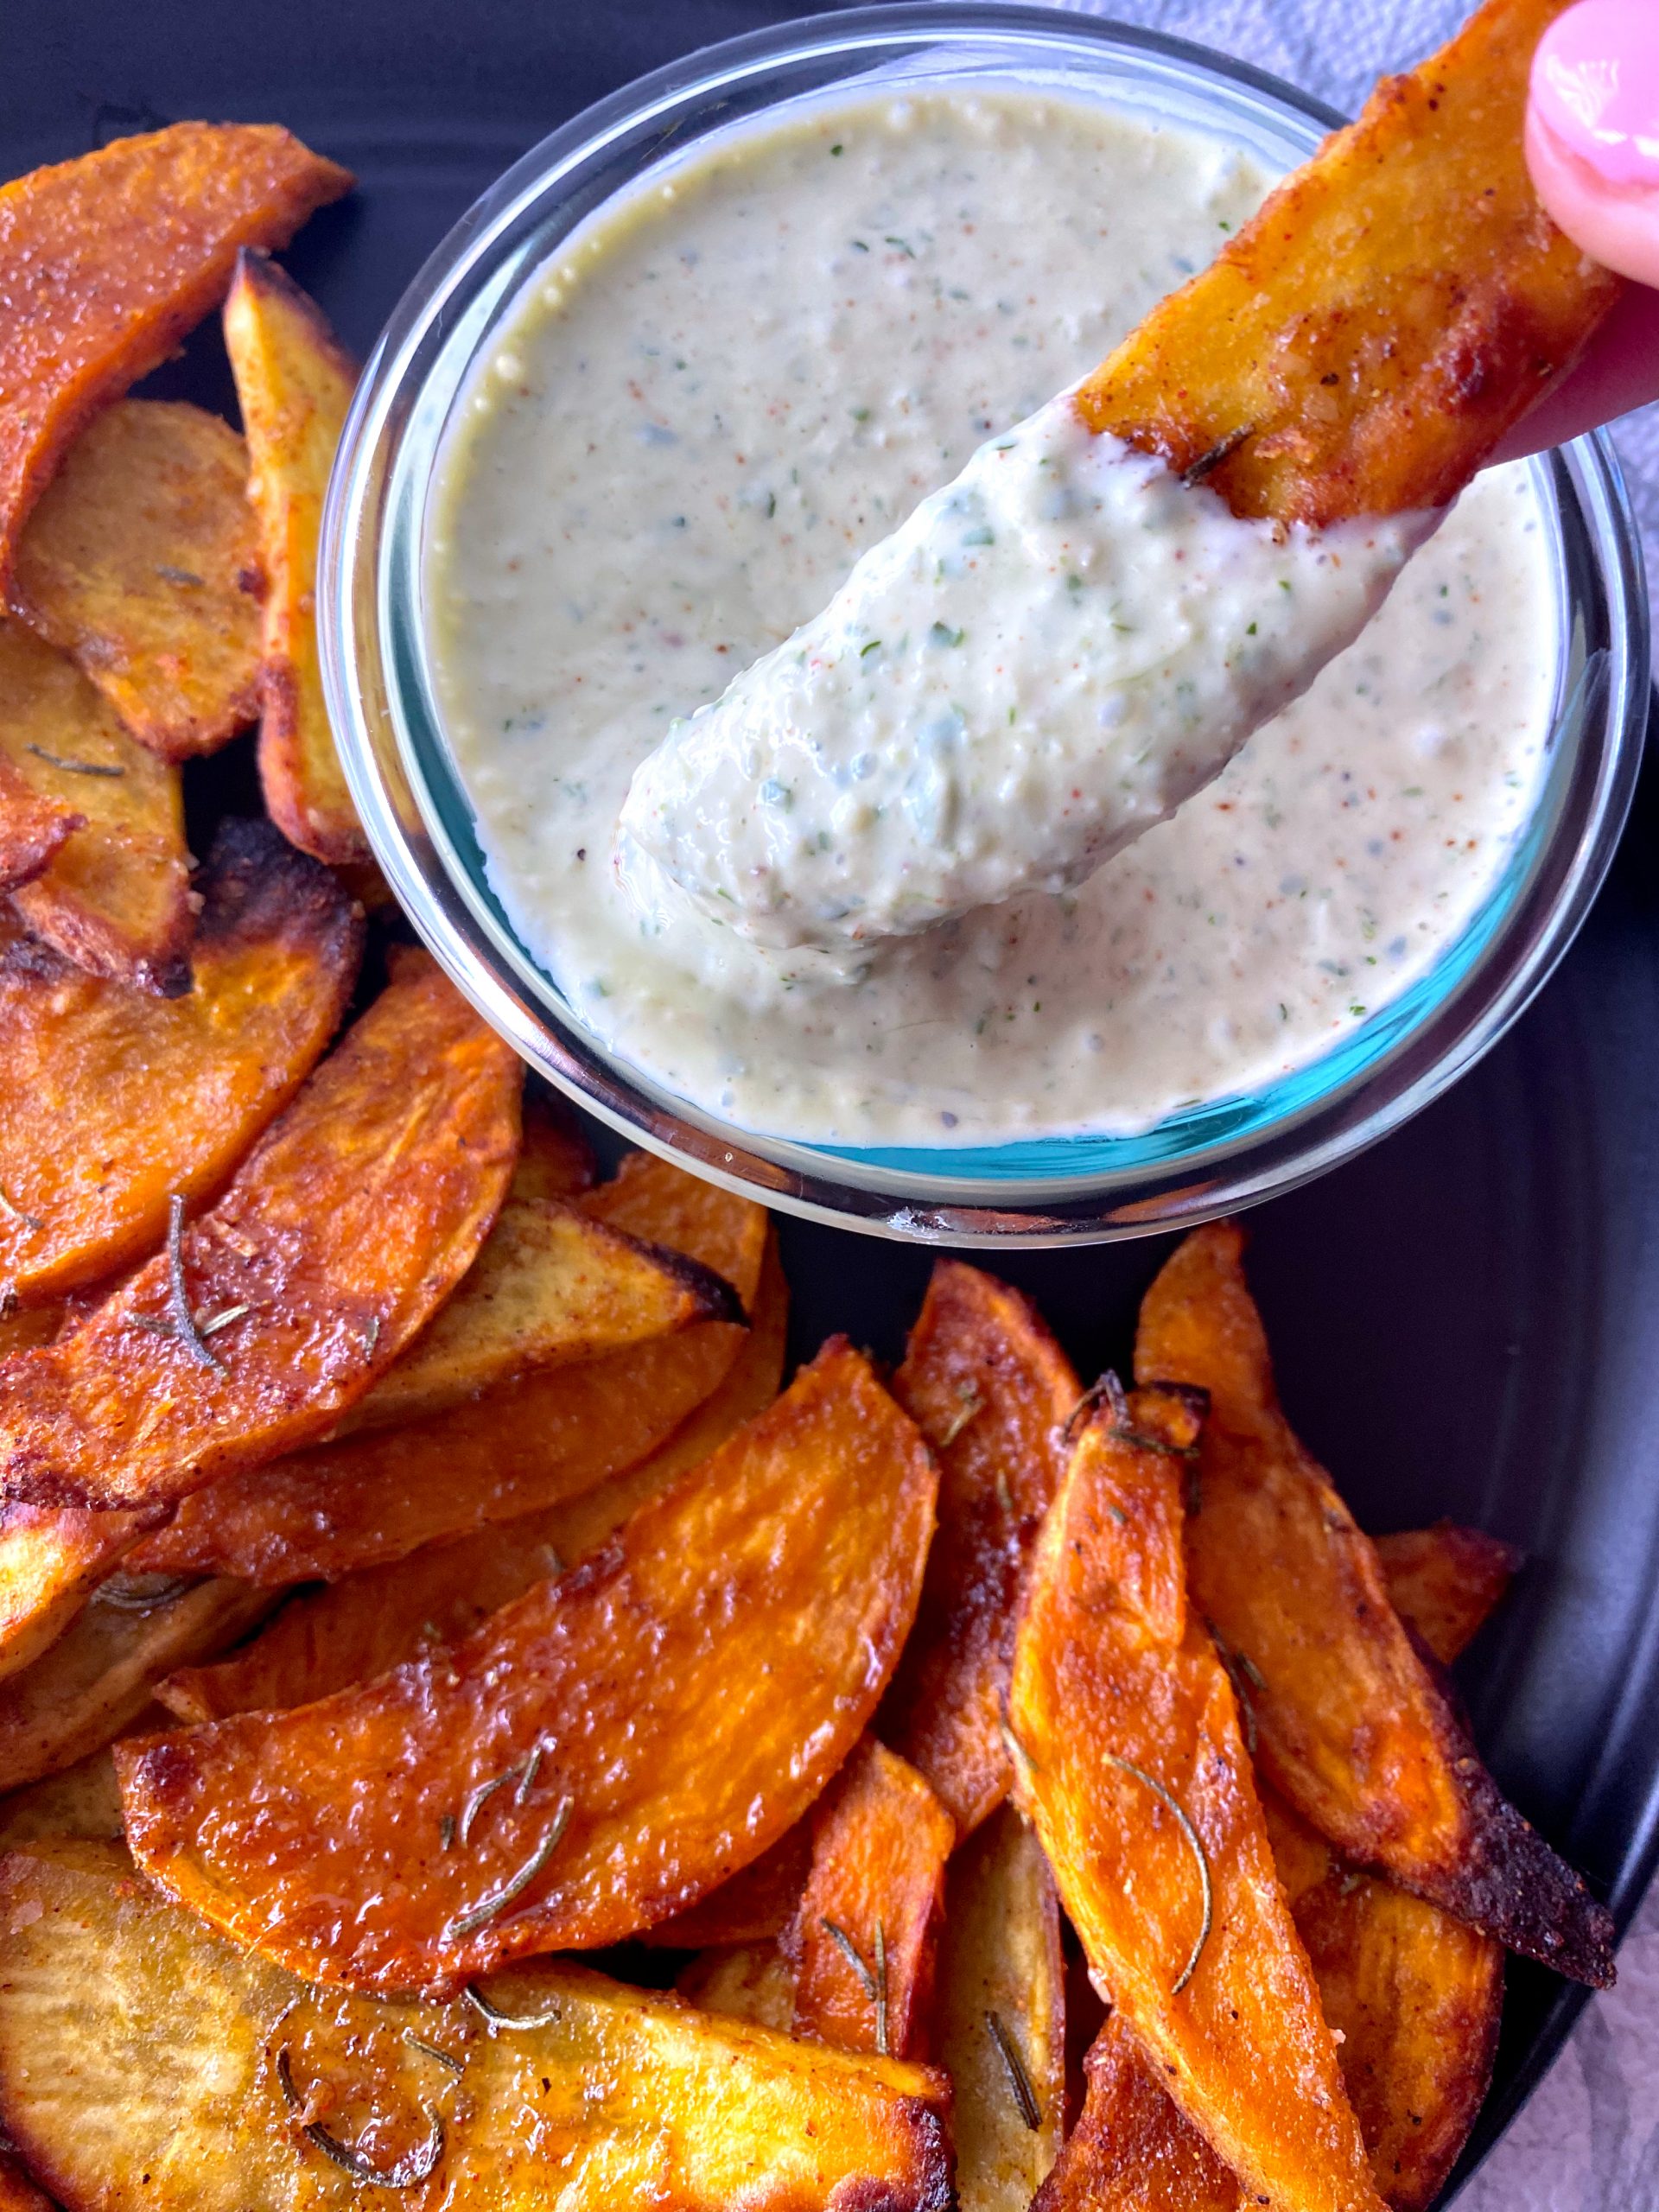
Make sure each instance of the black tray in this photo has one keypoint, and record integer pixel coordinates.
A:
(1467, 1319)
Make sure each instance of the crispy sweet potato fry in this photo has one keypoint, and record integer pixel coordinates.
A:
(990, 1390)
(744, 1981)
(538, 1444)
(1444, 1581)
(142, 563)
(1132, 1768)
(753, 1907)
(339, 1234)
(106, 262)
(863, 1945)
(1351, 1726)
(1132, 2149)
(369, 1622)
(51, 1561)
(1362, 345)
(110, 1102)
(134, 2041)
(295, 383)
(115, 896)
(1001, 2008)
(667, 1709)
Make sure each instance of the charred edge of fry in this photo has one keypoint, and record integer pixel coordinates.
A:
(411, 2174)
(255, 269)
(1019, 2080)
(1184, 1821)
(257, 886)
(714, 1297)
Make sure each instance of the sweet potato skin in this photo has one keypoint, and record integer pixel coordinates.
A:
(341, 1232)
(142, 563)
(1351, 1726)
(880, 1841)
(109, 1102)
(619, 2096)
(1364, 342)
(1111, 1667)
(691, 1688)
(990, 1390)
(107, 261)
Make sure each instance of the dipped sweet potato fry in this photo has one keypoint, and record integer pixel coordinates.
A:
(1444, 1581)
(990, 1390)
(115, 896)
(107, 261)
(339, 1234)
(341, 1508)
(110, 1102)
(609, 1748)
(1351, 1726)
(367, 1623)
(863, 1945)
(1363, 343)
(294, 382)
(1132, 1766)
(135, 2041)
(1001, 2014)
(142, 563)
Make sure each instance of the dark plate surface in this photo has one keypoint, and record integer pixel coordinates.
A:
(1468, 1318)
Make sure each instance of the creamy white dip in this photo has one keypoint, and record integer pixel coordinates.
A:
(727, 388)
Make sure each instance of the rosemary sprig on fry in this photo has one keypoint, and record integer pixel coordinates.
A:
(1184, 1821)
(1019, 2080)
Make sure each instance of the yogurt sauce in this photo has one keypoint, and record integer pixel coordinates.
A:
(727, 388)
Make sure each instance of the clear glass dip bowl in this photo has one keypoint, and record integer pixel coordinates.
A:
(1050, 1191)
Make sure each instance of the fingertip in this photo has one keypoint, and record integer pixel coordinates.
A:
(1592, 131)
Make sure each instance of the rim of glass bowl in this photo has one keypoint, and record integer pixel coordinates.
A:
(1044, 1191)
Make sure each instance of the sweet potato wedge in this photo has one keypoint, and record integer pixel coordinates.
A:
(1362, 345)
(554, 1159)
(111, 1101)
(754, 1906)
(535, 1444)
(134, 2041)
(863, 1945)
(1132, 2148)
(107, 261)
(294, 382)
(744, 1981)
(339, 1234)
(1351, 1726)
(367, 1623)
(667, 1709)
(1444, 1581)
(1001, 2013)
(114, 896)
(1131, 1764)
(141, 563)
(51, 1561)
(990, 1390)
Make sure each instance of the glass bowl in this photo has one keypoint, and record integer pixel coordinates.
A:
(1052, 1190)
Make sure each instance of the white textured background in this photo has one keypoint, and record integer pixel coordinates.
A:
(1589, 2139)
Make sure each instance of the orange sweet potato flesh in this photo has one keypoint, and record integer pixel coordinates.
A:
(753, 1906)
(990, 1390)
(671, 1706)
(110, 1101)
(294, 383)
(114, 896)
(1133, 1768)
(1444, 1581)
(135, 2041)
(1132, 2149)
(51, 1561)
(106, 262)
(880, 1841)
(1363, 345)
(367, 1623)
(142, 563)
(339, 1234)
(1353, 1727)
(536, 1444)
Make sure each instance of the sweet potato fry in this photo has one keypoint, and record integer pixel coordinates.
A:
(538, 1444)
(744, 1981)
(554, 1160)
(51, 1561)
(81, 1800)
(110, 1102)
(1001, 2009)
(755, 1905)
(1132, 2148)
(863, 1945)
(1351, 1727)
(667, 1709)
(295, 383)
(142, 563)
(106, 262)
(1362, 345)
(990, 1390)
(341, 1234)
(1444, 1581)
(367, 1623)
(1131, 1764)
(134, 2041)
(115, 896)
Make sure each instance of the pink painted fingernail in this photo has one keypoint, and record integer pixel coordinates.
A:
(1595, 86)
